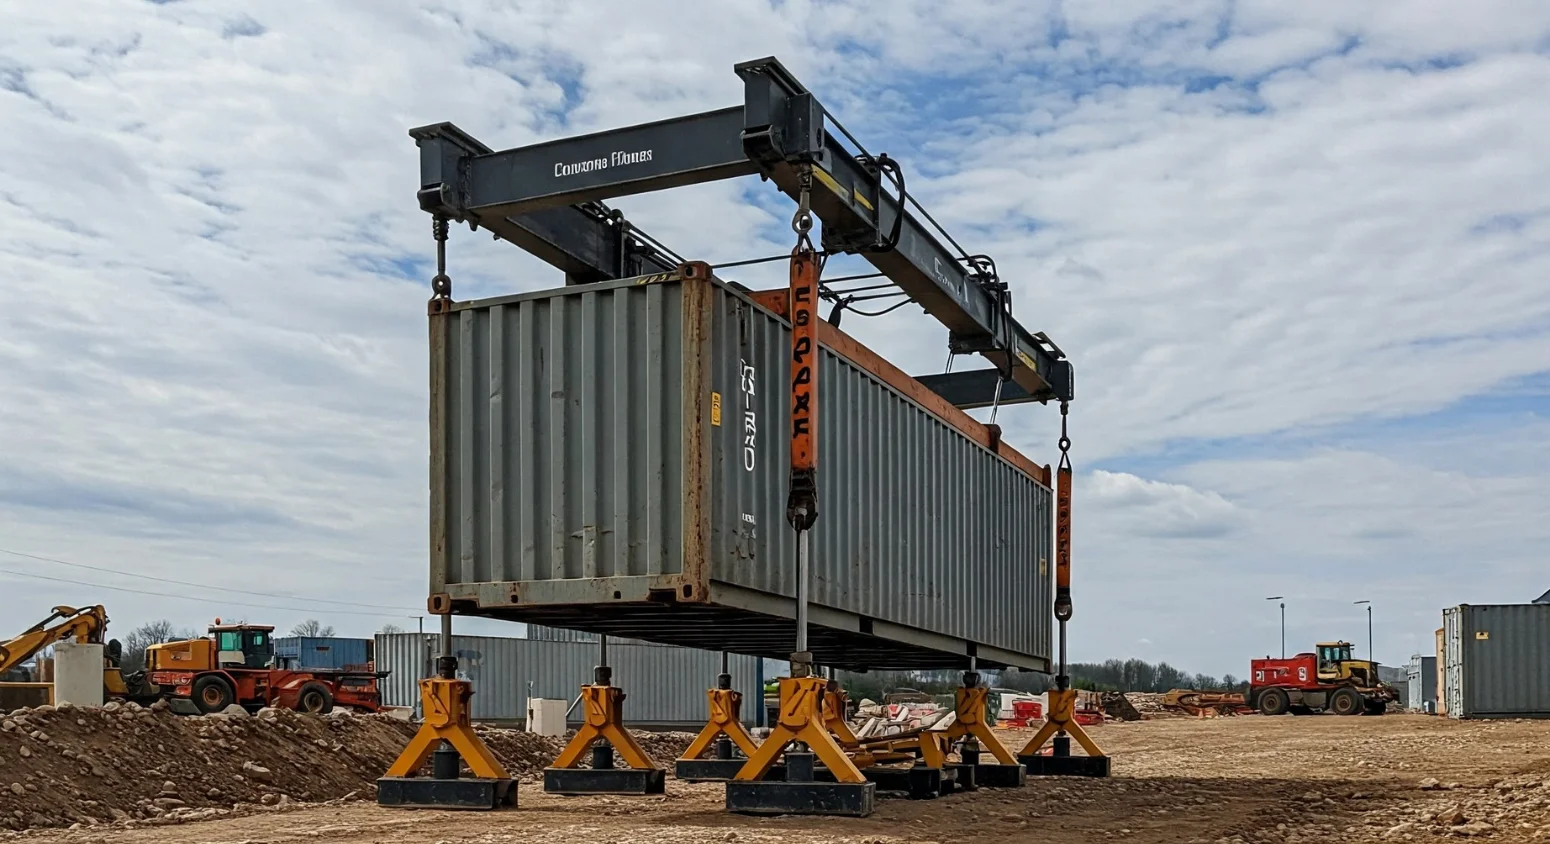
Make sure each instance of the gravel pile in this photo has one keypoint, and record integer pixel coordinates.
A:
(131, 765)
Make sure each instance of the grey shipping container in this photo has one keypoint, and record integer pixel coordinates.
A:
(1497, 661)
(322, 652)
(611, 457)
(664, 686)
(540, 633)
(1421, 679)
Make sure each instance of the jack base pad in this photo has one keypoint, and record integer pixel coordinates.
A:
(919, 782)
(710, 770)
(462, 793)
(604, 781)
(1066, 766)
(770, 797)
(967, 777)
(1002, 776)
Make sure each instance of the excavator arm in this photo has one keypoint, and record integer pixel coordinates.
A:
(85, 625)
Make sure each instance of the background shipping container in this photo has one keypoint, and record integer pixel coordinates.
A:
(322, 652)
(611, 457)
(665, 686)
(1422, 684)
(1497, 661)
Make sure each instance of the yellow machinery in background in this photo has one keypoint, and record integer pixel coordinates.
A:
(85, 625)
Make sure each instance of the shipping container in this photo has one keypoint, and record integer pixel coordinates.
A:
(541, 633)
(322, 652)
(664, 686)
(612, 457)
(1422, 684)
(1442, 667)
(1498, 661)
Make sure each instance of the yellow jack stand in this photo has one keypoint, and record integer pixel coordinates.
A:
(603, 731)
(802, 721)
(447, 738)
(969, 704)
(725, 728)
(1060, 722)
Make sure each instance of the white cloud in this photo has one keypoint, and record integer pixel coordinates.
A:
(212, 369)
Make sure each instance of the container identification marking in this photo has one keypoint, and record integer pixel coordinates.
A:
(750, 420)
(715, 409)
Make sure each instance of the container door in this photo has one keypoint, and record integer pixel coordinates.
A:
(1453, 673)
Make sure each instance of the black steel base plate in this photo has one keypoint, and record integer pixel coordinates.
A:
(773, 797)
(966, 780)
(919, 782)
(999, 776)
(427, 793)
(709, 770)
(1066, 766)
(604, 780)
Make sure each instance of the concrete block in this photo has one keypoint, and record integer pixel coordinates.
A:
(78, 674)
(546, 716)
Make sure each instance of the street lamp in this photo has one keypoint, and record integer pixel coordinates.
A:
(1369, 625)
(1283, 622)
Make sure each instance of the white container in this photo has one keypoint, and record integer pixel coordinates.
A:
(546, 716)
(78, 674)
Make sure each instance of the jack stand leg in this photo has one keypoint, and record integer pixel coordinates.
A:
(604, 734)
(801, 792)
(726, 731)
(446, 739)
(969, 704)
(1059, 728)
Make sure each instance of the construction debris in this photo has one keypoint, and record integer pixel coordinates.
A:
(1206, 703)
(123, 762)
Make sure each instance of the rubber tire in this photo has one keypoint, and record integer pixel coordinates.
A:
(315, 698)
(1375, 707)
(213, 683)
(1274, 702)
(1347, 701)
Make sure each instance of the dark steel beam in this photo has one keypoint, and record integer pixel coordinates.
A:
(652, 156)
(588, 243)
(973, 388)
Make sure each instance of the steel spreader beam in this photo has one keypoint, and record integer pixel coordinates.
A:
(777, 133)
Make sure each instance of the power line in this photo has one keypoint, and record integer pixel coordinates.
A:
(197, 598)
(185, 583)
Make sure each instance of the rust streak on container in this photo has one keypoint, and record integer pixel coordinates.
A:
(697, 304)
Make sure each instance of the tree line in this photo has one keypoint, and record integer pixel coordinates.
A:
(1114, 675)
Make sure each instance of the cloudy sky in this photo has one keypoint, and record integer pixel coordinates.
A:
(1298, 252)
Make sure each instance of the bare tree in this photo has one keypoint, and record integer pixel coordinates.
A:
(390, 629)
(312, 629)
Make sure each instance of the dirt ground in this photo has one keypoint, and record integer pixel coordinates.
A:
(1248, 780)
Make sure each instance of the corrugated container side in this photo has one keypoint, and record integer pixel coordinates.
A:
(544, 633)
(1503, 660)
(597, 450)
(332, 652)
(665, 685)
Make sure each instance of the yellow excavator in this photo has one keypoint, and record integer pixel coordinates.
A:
(86, 625)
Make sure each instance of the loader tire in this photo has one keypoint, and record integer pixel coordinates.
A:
(1347, 701)
(315, 698)
(1273, 702)
(213, 694)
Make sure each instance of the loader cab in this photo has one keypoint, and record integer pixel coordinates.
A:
(243, 645)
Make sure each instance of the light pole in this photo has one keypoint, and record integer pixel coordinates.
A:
(1283, 622)
(1369, 626)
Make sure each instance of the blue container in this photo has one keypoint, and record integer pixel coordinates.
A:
(315, 652)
